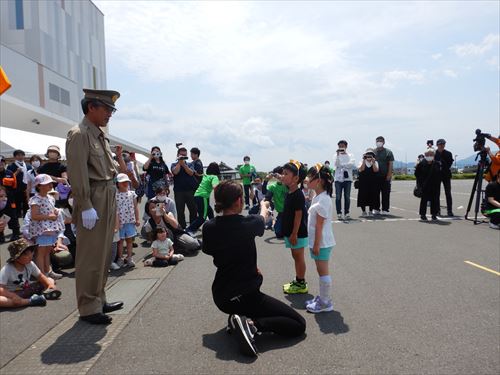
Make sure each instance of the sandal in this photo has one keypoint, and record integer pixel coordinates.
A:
(51, 293)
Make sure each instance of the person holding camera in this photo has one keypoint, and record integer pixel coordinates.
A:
(368, 182)
(184, 187)
(156, 170)
(385, 160)
(428, 174)
(344, 163)
(445, 160)
(493, 202)
(495, 159)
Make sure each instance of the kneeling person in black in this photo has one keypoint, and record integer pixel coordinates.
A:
(230, 239)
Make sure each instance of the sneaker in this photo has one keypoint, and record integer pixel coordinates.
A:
(120, 263)
(340, 217)
(50, 293)
(148, 262)
(113, 266)
(240, 325)
(434, 217)
(347, 217)
(247, 207)
(364, 214)
(309, 301)
(130, 262)
(370, 214)
(376, 212)
(494, 226)
(423, 217)
(36, 300)
(319, 306)
(54, 275)
(296, 287)
(384, 213)
(178, 257)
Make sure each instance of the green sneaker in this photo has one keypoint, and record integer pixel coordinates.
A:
(296, 287)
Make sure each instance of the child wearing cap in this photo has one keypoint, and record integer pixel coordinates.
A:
(128, 216)
(45, 225)
(16, 287)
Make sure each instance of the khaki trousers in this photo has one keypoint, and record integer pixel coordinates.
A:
(93, 250)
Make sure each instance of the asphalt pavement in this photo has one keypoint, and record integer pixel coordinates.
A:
(405, 301)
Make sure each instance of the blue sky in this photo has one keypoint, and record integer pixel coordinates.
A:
(281, 80)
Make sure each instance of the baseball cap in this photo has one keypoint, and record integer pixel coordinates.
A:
(122, 177)
(43, 179)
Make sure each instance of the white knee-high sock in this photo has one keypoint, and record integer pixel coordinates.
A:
(325, 288)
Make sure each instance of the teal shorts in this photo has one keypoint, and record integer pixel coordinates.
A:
(324, 253)
(301, 242)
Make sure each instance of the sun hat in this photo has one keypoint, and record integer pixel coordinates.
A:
(18, 247)
(53, 148)
(43, 179)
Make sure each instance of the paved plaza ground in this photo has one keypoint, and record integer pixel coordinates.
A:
(409, 297)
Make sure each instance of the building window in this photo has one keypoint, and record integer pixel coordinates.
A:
(59, 94)
(54, 92)
(19, 15)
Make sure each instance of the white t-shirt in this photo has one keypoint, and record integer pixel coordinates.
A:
(15, 280)
(321, 205)
(162, 246)
(125, 202)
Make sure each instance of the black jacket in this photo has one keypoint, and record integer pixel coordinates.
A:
(428, 176)
(445, 161)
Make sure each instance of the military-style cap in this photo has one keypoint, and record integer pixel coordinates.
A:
(107, 97)
(17, 248)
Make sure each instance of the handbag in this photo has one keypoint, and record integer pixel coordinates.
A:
(418, 191)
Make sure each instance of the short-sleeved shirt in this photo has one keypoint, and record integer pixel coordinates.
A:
(207, 184)
(52, 169)
(125, 204)
(197, 166)
(183, 181)
(15, 280)
(46, 206)
(492, 190)
(231, 241)
(247, 169)
(279, 192)
(384, 156)
(163, 247)
(294, 202)
(156, 170)
(321, 205)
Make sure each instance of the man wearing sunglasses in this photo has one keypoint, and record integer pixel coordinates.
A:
(92, 170)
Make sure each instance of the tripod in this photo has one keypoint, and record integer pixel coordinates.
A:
(477, 190)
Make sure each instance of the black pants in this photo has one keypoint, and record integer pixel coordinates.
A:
(447, 191)
(164, 262)
(384, 189)
(246, 189)
(434, 199)
(21, 203)
(268, 314)
(183, 199)
(494, 218)
(202, 204)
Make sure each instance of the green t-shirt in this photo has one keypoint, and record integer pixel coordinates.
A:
(247, 169)
(279, 194)
(208, 182)
(384, 156)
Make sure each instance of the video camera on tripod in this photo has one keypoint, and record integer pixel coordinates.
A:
(482, 166)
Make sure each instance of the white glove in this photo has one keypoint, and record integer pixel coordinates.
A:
(89, 218)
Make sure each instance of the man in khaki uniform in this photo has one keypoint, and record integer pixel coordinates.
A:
(91, 171)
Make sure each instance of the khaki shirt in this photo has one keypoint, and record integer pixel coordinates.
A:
(89, 160)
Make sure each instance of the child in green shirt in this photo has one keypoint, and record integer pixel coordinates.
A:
(202, 196)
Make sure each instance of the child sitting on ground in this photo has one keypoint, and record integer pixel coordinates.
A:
(15, 279)
(163, 251)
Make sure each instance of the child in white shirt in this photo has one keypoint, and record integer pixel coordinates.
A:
(163, 251)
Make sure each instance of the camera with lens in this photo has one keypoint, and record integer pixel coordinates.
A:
(480, 140)
(182, 158)
(178, 145)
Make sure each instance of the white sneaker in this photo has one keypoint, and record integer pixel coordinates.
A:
(54, 275)
(347, 217)
(149, 262)
(114, 266)
(319, 306)
(340, 217)
(376, 212)
(385, 213)
(120, 262)
(178, 257)
(130, 262)
(494, 226)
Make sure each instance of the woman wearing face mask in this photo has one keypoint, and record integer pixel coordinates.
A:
(368, 183)
(428, 178)
(36, 162)
(156, 170)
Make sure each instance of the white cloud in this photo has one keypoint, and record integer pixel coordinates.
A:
(437, 56)
(470, 49)
(390, 79)
(450, 73)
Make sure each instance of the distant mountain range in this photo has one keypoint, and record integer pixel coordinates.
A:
(468, 161)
